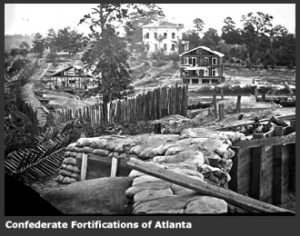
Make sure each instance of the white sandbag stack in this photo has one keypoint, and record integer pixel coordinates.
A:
(69, 171)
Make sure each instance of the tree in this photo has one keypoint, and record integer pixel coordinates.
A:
(211, 38)
(133, 27)
(193, 38)
(198, 24)
(69, 40)
(108, 55)
(38, 44)
(257, 29)
(230, 34)
(51, 40)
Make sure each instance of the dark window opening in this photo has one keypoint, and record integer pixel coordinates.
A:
(165, 35)
(193, 73)
(214, 81)
(205, 81)
(173, 47)
(186, 81)
(165, 46)
(147, 35)
(155, 35)
(195, 81)
(173, 35)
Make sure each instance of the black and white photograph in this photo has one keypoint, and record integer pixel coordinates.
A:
(159, 109)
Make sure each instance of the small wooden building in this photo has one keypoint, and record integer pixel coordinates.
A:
(201, 65)
(71, 77)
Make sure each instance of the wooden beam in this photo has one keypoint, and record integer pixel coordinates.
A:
(84, 163)
(288, 139)
(114, 167)
(234, 198)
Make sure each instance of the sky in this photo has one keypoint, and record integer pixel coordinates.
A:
(33, 18)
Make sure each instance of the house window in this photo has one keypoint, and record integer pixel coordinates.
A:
(190, 61)
(195, 81)
(205, 72)
(173, 35)
(165, 35)
(147, 35)
(186, 81)
(194, 61)
(155, 35)
(185, 60)
(165, 46)
(173, 47)
(214, 61)
(213, 72)
(187, 73)
(206, 61)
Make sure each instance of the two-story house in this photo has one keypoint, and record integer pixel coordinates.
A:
(201, 65)
(164, 36)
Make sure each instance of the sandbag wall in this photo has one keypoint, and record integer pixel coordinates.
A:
(198, 153)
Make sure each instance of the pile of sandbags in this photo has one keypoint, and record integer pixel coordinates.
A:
(151, 195)
(205, 151)
(69, 171)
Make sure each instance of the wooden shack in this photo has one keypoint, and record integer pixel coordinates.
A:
(71, 77)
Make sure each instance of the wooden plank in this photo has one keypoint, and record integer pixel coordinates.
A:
(232, 197)
(114, 167)
(279, 170)
(258, 155)
(233, 183)
(289, 139)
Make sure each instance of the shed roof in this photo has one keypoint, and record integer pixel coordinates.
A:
(204, 48)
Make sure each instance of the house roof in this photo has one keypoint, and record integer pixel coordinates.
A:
(162, 24)
(204, 48)
(69, 67)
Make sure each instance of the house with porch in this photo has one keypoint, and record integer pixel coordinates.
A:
(201, 65)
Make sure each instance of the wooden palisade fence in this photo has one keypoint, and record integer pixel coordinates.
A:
(149, 106)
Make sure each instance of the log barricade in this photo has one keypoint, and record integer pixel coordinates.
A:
(264, 167)
(152, 105)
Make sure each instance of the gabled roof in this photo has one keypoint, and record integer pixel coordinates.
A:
(204, 48)
(69, 67)
(162, 24)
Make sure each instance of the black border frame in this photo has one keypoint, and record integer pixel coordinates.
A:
(216, 225)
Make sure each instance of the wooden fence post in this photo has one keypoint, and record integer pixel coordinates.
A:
(221, 112)
(222, 94)
(215, 104)
(238, 104)
(256, 93)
